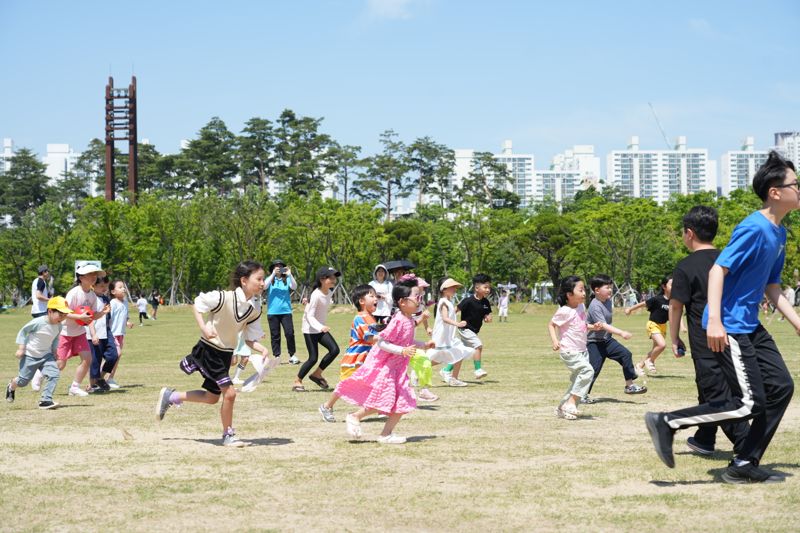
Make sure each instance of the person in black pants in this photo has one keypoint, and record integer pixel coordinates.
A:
(280, 285)
(748, 267)
(689, 288)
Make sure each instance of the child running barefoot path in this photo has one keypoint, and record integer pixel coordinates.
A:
(382, 384)
(229, 312)
(568, 332)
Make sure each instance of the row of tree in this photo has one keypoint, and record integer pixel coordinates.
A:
(186, 245)
(290, 151)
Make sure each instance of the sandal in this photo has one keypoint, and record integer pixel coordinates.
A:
(298, 388)
(566, 415)
(321, 383)
(651, 366)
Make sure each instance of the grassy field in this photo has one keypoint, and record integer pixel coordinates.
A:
(491, 456)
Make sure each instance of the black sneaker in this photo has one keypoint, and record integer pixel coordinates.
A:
(9, 394)
(749, 473)
(47, 405)
(96, 389)
(700, 449)
(163, 402)
(662, 436)
(103, 384)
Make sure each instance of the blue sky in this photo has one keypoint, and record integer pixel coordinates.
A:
(467, 73)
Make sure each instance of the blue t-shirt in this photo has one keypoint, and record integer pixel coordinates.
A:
(279, 298)
(754, 258)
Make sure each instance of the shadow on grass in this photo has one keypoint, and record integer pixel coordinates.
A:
(133, 386)
(428, 407)
(417, 438)
(613, 400)
(664, 376)
(716, 474)
(274, 441)
(68, 405)
(716, 456)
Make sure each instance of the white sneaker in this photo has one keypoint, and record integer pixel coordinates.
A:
(113, 384)
(237, 381)
(36, 382)
(455, 382)
(294, 360)
(353, 426)
(77, 391)
(481, 373)
(392, 439)
(445, 375)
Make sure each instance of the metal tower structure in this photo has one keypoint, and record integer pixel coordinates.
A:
(121, 126)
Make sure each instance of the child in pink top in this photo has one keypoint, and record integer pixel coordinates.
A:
(568, 331)
(381, 383)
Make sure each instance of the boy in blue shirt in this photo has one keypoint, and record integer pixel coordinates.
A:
(761, 386)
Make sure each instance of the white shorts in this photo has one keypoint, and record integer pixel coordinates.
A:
(469, 338)
(503, 311)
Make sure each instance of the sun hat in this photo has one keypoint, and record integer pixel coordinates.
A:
(274, 263)
(325, 272)
(59, 304)
(89, 269)
(449, 282)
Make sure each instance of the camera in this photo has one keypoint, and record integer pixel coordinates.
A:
(284, 270)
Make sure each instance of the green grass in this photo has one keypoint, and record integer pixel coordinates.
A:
(487, 457)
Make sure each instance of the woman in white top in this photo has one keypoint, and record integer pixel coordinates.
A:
(315, 332)
(383, 288)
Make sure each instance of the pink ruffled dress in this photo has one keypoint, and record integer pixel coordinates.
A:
(381, 383)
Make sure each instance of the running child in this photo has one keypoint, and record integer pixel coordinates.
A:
(475, 310)
(315, 332)
(120, 321)
(381, 384)
(37, 344)
(141, 304)
(568, 331)
(761, 385)
(658, 306)
(104, 349)
(73, 336)
(228, 313)
(502, 305)
(601, 344)
(362, 337)
(448, 346)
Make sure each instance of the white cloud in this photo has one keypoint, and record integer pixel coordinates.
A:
(389, 9)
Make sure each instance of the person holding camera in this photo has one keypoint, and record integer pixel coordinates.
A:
(280, 285)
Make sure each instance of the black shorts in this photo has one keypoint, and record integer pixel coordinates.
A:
(212, 363)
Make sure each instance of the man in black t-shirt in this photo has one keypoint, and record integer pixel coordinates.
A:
(689, 291)
(475, 310)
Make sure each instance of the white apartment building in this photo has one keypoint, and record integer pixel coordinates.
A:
(558, 185)
(6, 155)
(788, 144)
(573, 170)
(520, 168)
(738, 166)
(60, 158)
(658, 174)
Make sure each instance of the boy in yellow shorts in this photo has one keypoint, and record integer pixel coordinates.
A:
(658, 306)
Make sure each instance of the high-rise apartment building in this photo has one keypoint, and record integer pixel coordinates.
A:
(658, 174)
(738, 166)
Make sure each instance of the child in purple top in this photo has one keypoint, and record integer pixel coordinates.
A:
(568, 331)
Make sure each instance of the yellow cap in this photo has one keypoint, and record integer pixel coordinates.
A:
(59, 304)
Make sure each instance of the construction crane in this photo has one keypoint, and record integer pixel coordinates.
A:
(658, 123)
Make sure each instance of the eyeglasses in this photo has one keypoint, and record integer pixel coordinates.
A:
(794, 184)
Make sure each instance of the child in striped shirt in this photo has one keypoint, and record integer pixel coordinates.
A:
(362, 334)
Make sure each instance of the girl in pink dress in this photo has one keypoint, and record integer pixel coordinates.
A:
(381, 383)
